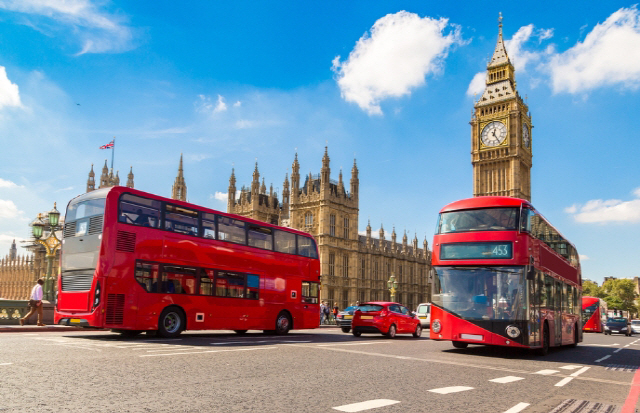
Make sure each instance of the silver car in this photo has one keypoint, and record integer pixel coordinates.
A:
(343, 320)
(635, 326)
(424, 314)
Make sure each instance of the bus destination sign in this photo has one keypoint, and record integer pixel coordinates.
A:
(476, 250)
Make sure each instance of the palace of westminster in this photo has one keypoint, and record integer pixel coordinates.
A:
(357, 267)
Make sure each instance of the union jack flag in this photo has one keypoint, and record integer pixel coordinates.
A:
(107, 146)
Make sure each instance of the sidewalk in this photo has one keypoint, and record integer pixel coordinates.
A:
(35, 329)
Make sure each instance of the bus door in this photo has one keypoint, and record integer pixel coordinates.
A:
(533, 304)
(558, 313)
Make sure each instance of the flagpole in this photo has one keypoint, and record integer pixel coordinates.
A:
(113, 150)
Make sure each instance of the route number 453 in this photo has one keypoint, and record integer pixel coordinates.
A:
(500, 250)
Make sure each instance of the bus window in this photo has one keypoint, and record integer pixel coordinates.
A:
(147, 276)
(179, 219)
(229, 284)
(310, 292)
(178, 280)
(231, 230)
(482, 219)
(253, 287)
(209, 226)
(549, 293)
(306, 247)
(206, 282)
(285, 242)
(85, 209)
(260, 237)
(139, 211)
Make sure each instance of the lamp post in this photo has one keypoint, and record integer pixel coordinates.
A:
(51, 244)
(393, 285)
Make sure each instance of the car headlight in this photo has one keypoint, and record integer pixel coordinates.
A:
(513, 331)
(606, 327)
(624, 328)
(436, 326)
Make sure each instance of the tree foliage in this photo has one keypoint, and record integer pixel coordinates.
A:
(591, 289)
(620, 294)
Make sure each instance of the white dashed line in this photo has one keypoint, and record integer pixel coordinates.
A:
(517, 408)
(447, 390)
(564, 381)
(617, 350)
(370, 404)
(354, 344)
(507, 379)
(574, 374)
(238, 342)
(604, 358)
(5, 364)
(570, 367)
(208, 351)
(547, 372)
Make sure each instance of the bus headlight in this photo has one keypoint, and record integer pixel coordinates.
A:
(436, 326)
(513, 331)
(96, 299)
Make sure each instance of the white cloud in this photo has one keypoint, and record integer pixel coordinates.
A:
(237, 104)
(477, 85)
(9, 210)
(583, 257)
(221, 196)
(394, 58)
(9, 94)
(5, 244)
(205, 105)
(613, 210)
(96, 29)
(8, 184)
(221, 106)
(609, 55)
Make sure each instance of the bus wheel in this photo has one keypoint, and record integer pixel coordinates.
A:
(576, 336)
(283, 324)
(171, 322)
(240, 331)
(544, 350)
(392, 331)
(460, 344)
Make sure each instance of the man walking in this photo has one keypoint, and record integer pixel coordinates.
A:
(35, 302)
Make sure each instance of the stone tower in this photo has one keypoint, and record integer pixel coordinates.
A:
(91, 181)
(179, 188)
(501, 145)
(130, 178)
(107, 178)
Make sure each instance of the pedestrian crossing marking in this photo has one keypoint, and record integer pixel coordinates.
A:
(453, 389)
(570, 367)
(547, 372)
(370, 404)
(506, 379)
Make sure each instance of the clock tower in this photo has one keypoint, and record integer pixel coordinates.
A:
(501, 132)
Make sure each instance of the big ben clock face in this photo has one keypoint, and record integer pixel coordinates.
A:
(526, 137)
(493, 134)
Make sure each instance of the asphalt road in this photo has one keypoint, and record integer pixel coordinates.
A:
(306, 371)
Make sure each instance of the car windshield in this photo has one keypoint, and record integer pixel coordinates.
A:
(485, 219)
(617, 320)
(635, 322)
(422, 309)
(367, 308)
(350, 308)
(485, 293)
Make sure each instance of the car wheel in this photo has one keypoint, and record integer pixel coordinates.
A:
(171, 322)
(392, 331)
(460, 344)
(418, 331)
(345, 329)
(357, 334)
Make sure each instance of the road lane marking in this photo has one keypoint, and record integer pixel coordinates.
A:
(570, 367)
(571, 377)
(604, 358)
(208, 351)
(546, 372)
(449, 362)
(517, 408)
(370, 404)
(239, 342)
(453, 389)
(634, 392)
(600, 345)
(5, 364)
(507, 379)
(354, 344)
(617, 350)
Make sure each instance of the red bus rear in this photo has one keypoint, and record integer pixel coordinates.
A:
(133, 261)
(594, 309)
(502, 275)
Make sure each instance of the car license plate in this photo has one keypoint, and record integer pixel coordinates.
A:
(74, 320)
(614, 331)
(348, 317)
(366, 317)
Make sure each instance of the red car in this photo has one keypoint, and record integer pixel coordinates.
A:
(386, 318)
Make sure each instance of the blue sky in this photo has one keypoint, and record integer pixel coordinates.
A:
(389, 83)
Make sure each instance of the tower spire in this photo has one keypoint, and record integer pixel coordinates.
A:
(179, 189)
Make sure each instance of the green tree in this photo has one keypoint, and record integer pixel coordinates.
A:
(621, 294)
(591, 289)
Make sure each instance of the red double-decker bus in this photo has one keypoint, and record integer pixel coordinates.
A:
(594, 311)
(133, 261)
(502, 275)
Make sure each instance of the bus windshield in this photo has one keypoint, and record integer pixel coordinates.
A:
(83, 209)
(483, 219)
(481, 293)
(587, 312)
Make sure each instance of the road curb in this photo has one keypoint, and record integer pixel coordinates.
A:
(45, 329)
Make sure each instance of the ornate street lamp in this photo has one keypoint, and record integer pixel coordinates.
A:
(393, 286)
(51, 244)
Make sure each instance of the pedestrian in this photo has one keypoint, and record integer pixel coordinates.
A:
(35, 303)
(335, 312)
(323, 308)
(326, 314)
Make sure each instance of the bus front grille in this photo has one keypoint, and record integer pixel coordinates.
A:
(95, 225)
(115, 309)
(69, 229)
(77, 282)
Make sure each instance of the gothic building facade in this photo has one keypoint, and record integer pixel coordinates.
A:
(354, 267)
(501, 146)
(107, 178)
